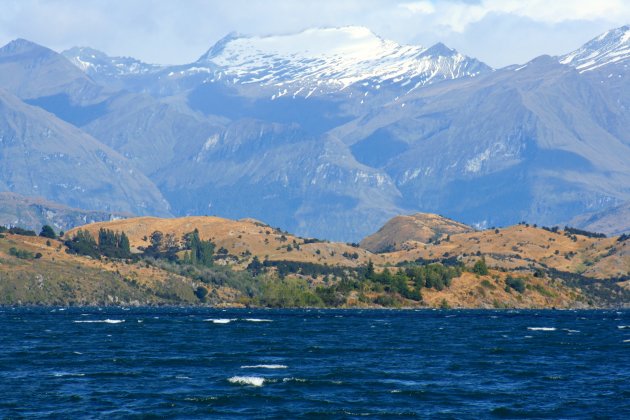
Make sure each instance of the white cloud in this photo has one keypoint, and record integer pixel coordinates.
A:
(458, 15)
(423, 7)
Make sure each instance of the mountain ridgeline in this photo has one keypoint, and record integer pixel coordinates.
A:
(329, 132)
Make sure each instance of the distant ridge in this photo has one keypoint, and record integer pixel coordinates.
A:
(34, 212)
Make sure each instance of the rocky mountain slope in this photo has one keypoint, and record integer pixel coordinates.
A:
(44, 156)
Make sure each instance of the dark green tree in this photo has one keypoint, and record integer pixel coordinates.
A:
(369, 272)
(47, 232)
(83, 243)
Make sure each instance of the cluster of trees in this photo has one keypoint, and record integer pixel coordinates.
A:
(16, 230)
(196, 252)
(574, 231)
(284, 268)
(46, 232)
(409, 281)
(110, 244)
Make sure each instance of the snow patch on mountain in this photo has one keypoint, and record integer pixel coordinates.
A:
(609, 48)
(331, 59)
(97, 63)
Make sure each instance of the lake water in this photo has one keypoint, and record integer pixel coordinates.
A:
(202, 363)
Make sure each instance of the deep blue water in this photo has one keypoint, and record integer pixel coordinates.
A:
(313, 364)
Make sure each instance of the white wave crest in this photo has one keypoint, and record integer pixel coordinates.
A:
(257, 320)
(623, 327)
(67, 374)
(293, 380)
(104, 321)
(541, 328)
(247, 380)
(264, 367)
(219, 320)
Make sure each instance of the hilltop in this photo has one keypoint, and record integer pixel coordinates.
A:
(402, 231)
(243, 239)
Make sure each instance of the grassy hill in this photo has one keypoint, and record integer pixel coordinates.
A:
(255, 264)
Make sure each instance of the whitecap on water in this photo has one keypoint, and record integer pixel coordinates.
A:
(104, 321)
(67, 374)
(219, 320)
(257, 320)
(247, 380)
(623, 327)
(293, 380)
(264, 367)
(541, 328)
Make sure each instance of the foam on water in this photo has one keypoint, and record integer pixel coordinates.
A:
(301, 380)
(264, 367)
(257, 320)
(247, 380)
(541, 328)
(623, 327)
(104, 321)
(67, 374)
(218, 320)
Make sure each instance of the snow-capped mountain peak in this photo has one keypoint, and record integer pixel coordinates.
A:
(328, 59)
(97, 63)
(610, 47)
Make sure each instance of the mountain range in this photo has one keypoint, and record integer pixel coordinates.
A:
(328, 132)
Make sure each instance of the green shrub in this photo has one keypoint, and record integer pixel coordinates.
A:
(516, 283)
(22, 254)
(485, 283)
(201, 293)
(480, 267)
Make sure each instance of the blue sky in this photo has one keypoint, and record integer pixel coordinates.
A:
(499, 32)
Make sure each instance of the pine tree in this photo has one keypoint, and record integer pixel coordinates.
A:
(369, 272)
